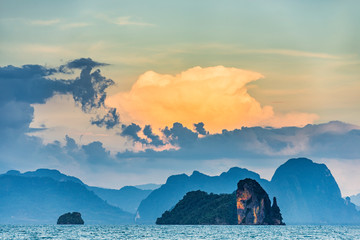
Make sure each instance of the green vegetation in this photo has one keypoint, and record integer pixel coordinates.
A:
(198, 208)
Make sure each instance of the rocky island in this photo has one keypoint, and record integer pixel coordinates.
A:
(249, 205)
(70, 218)
(253, 205)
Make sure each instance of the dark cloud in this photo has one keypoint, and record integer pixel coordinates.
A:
(131, 131)
(70, 144)
(15, 115)
(82, 63)
(155, 139)
(29, 84)
(88, 90)
(180, 136)
(32, 84)
(110, 120)
(199, 128)
(96, 153)
(334, 139)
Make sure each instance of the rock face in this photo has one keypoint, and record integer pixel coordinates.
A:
(70, 218)
(253, 205)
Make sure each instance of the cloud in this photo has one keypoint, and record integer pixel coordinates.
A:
(83, 63)
(127, 21)
(148, 140)
(75, 25)
(109, 120)
(29, 84)
(123, 21)
(132, 131)
(164, 150)
(333, 139)
(89, 89)
(294, 53)
(199, 128)
(21, 87)
(155, 139)
(62, 24)
(96, 153)
(45, 22)
(235, 49)
(180, 136)
(216, 96)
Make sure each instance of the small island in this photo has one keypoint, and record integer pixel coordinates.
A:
(249, 205)
(70, 218)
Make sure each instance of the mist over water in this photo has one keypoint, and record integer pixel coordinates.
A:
(178, 232)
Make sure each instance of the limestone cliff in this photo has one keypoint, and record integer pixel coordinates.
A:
(254, 206)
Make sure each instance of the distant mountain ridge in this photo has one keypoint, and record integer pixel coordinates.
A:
(127, 198)
(356, 200)
(177, 186)
(44, 172)
(148, 186)
(306, 191)
(41, 200)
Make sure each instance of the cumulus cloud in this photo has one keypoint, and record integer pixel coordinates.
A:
(216, 96)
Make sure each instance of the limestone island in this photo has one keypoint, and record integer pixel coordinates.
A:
(70, 218)
(249, 205)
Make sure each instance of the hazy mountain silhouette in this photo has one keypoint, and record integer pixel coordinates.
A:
(356, 200)
(41, 200)
(148, 186)
(127, 198)
(177, 186)
(306, 191)
(308, 194)
(43, 172)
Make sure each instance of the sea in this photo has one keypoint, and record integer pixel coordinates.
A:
(207, 232)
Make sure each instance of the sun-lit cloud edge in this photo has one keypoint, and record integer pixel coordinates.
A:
(217, 96)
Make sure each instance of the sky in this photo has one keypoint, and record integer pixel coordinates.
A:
(129, 92)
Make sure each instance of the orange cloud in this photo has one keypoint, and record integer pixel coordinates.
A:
(216, 96)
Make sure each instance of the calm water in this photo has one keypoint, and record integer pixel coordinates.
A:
(178, 232)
